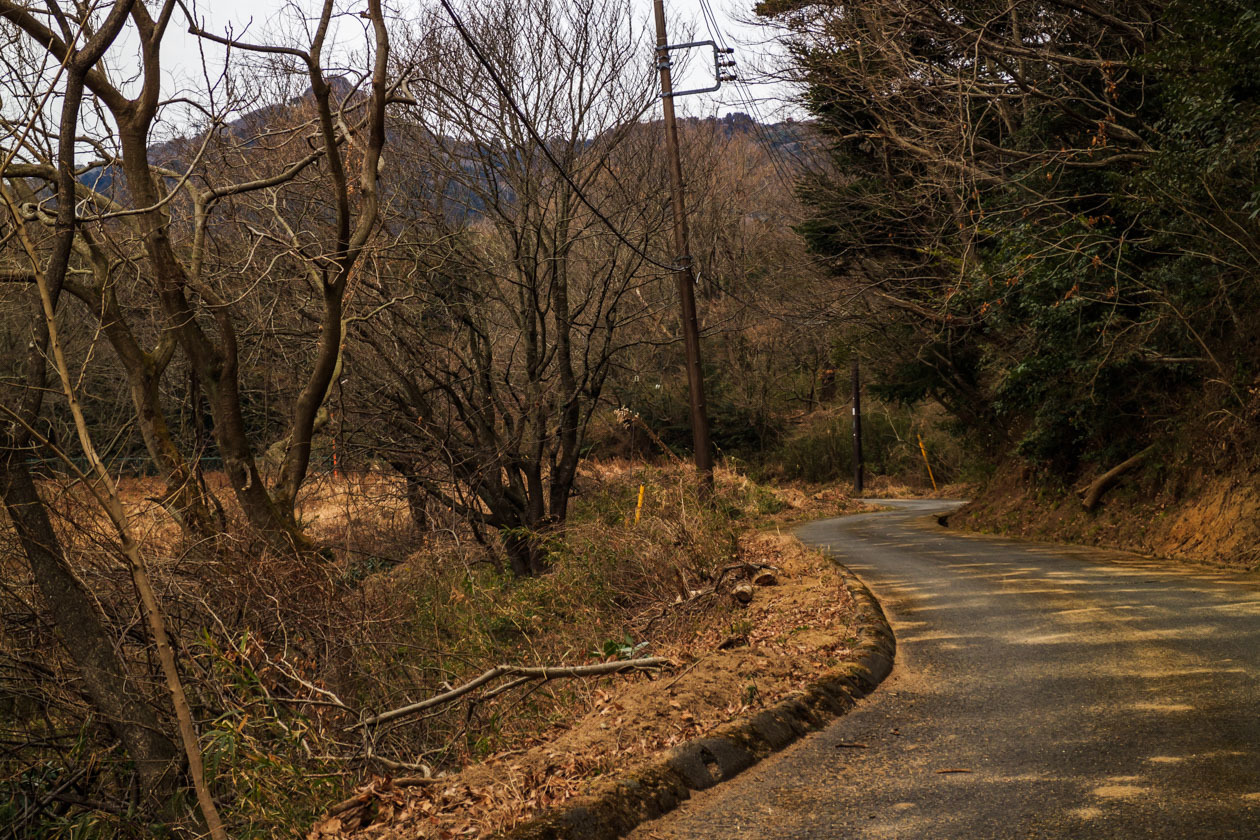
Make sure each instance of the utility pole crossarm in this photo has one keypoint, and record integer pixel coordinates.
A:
(723, 66)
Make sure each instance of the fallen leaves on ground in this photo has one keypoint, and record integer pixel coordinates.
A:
(794, 631)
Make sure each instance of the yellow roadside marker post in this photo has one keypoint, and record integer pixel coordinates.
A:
(923, 449)
(639, 507)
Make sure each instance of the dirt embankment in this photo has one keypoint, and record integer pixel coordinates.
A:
(798, 623)
(1189, 515)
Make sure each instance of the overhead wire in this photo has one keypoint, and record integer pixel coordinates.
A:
(782, 167)
(744, 97)
(506, 93)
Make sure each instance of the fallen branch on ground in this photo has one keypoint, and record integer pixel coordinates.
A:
(374, 788)
(1093, 494)
(543, 673)
(630, 418)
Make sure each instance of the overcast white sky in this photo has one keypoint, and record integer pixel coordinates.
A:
(181, 57)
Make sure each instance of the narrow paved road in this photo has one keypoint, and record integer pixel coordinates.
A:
(1038, 692)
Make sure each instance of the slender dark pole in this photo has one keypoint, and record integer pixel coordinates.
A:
(857, 429)
(686, 277)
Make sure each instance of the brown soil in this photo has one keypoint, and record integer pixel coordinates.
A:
(1202, 518)
(779, 643)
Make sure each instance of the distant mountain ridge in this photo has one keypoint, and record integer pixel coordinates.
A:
(782, 138)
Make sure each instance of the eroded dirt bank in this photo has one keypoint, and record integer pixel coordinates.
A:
(1192, 516)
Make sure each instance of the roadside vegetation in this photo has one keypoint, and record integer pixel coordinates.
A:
(282, 661)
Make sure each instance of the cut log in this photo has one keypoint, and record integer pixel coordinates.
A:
(766, 578)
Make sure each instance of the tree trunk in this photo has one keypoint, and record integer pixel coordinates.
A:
(186, 499)
(526, 556)
(113, 692)
(417, 499)
(827, 386)
(216, 363)
(1093, 494)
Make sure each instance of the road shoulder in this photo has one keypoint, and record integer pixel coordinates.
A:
(620, 804)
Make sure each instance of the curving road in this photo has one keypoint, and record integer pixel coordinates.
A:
(1039, 692)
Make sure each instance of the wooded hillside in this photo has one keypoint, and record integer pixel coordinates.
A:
(1052, 212)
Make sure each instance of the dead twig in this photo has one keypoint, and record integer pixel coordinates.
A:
(365, 796)
(686, 671)
(543, 673)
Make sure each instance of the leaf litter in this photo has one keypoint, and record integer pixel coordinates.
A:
(790, 633)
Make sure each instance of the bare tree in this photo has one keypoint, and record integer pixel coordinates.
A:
(492, 347)
(78, 618)
(202, 299)
(128, 236)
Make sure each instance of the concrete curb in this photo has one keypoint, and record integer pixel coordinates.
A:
(619, 805)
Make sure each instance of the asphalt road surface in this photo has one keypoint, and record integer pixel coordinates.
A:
(1038, 692)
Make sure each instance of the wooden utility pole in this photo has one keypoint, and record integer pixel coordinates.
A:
(686, 276)
(857, 428)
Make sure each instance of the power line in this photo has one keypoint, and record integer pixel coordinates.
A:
(537, 138)
(744, 97)
(782, 167)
